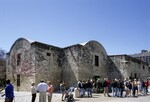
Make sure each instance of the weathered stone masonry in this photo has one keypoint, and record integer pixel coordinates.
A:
(122, 66)
(31, 61)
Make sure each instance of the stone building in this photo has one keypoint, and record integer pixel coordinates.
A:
(30, 61)
(122, 66)
(144, 56)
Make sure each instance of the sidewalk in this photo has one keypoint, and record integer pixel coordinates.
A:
(26, 97)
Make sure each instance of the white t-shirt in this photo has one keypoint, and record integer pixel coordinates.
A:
(33, 90)
(42, 87)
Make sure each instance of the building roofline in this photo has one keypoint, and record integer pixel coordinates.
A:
(36, 42)
(19, 39)
(131, 58)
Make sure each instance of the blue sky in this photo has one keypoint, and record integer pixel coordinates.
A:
(121, 26)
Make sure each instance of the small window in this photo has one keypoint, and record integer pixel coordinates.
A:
(18, 59)
(131, 77)
(48, 54)
(135, 75)
(143, 67)
(18, 80)
(96, 60)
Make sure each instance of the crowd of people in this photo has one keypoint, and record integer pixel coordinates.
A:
(118, 88)
(90, 86)
(44, 89)
(131, 88)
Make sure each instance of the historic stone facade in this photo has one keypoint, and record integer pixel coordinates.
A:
(122, 66)
(32, 61)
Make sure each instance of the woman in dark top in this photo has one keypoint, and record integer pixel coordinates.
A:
(62, 89)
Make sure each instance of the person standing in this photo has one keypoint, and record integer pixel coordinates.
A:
(135, 88)
(89, 88)
(9, 91)
(105, 86)
(50, 91)
(42, 89)
(114, 87)
(33, 92)
(143, 88)
(120, 87)
(139, 85)
(62, 89)
(80, 86)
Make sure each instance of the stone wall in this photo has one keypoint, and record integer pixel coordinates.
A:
(71, 65)
(48, 63)
(96, 49)
(122, 66)
(32, 61)
(41, 61)
(20, 65)
(79, 63)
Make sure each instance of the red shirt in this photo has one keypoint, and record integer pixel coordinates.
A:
(50, 89)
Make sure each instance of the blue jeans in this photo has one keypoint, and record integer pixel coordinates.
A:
(144, 90)
(89, 90)
(114, 91)
(120, 92)
(82, 91)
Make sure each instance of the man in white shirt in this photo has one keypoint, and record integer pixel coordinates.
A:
(42, 89)
(33, 92)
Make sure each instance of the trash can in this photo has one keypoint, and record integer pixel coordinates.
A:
(77, 93)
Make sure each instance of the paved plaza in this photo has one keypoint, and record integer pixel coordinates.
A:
(26, 97)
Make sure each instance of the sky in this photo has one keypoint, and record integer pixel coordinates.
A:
(121, 26)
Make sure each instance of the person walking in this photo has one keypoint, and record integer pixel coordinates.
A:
(9, 91)
(42, 89)
(33, 92)
(50, 91)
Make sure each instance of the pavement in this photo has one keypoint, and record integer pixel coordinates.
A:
(26, 97)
